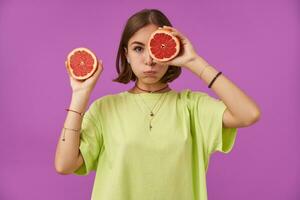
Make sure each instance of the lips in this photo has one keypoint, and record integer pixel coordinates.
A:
(150, 72)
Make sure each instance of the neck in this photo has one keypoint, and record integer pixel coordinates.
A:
(154, 88)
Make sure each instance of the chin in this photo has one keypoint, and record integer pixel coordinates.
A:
(151, 80)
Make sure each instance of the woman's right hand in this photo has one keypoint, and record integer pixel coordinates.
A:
(87, 85)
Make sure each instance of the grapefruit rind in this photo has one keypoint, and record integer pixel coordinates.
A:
(80, 71)
(172, 41)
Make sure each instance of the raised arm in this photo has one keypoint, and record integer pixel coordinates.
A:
(241, 109)
(67, 156)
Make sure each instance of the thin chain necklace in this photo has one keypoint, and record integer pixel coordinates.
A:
(152, 110)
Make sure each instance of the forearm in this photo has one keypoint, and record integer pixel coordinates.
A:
(238, 103)
(67, 151)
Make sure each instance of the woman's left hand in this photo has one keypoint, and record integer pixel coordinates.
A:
(186, 54)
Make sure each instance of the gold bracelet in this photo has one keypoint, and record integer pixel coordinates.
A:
(203, 69)
(63, 139)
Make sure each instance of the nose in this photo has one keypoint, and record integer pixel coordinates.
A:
(148, 58)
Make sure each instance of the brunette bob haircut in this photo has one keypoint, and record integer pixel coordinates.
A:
(134, 23)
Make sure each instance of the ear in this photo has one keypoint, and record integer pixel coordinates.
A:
(126, 54)
(125, 50)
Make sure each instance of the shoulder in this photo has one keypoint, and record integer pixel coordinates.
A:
(107, 99)
(191, 96)
(101, 105)
(199, 100)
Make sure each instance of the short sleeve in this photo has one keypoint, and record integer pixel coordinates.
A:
(91, 140)
(208, 118)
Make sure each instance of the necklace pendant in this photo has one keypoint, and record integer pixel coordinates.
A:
(151, 114)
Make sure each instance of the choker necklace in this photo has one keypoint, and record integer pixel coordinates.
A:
(149, 91)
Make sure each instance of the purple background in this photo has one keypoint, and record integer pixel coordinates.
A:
(255, 43)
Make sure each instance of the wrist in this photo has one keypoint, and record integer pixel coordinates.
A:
(79, 101)
(81, 93)
(197, 65)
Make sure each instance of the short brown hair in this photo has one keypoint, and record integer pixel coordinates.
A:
(134, 23)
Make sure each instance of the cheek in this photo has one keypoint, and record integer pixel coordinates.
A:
(136, 55)
(135, 67)
(164, 69)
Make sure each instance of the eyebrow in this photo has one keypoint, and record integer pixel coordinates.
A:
(137, 42)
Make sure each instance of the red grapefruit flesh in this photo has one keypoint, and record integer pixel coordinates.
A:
(82, 63)
(163, 46)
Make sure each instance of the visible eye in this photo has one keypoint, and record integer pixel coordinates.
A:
(137, 49)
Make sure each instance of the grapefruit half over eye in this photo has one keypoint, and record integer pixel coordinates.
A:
(163, 46)
(82, 63)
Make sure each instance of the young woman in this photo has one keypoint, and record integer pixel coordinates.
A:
(151, 142)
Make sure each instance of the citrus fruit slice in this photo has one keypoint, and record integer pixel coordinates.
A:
(163, 46)
(82, 63)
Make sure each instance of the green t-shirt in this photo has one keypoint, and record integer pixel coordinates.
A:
(167, 163)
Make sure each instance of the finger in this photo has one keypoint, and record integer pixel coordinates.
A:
(99, 68)
(169, 27)
(178, 34)
(100, 63)
(67, 68)
(175, 32)
(69, 73)
(161, 63)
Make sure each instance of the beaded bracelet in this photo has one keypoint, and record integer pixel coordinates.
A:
(211, 83)
(81, 114)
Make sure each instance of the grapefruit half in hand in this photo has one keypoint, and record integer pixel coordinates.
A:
(82, 63)
(163, 46)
